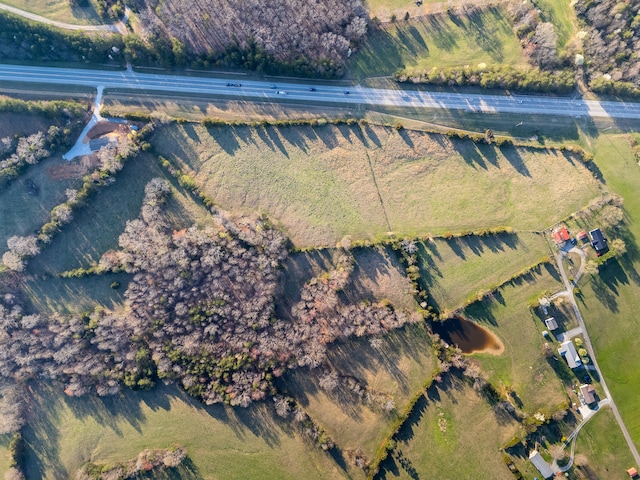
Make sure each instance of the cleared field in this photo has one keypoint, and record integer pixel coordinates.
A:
(94, 230)
(457, 270)
(610, 300)
(522, 366)
(439, 40)
(4, 453)
(601, 444)
(24, 214)
(252, 443)
(398, 368)
(563, 17)
(453, 433)
(60, 11)
(326, 182)
(22, 123)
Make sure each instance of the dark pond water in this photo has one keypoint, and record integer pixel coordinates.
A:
(468, 336)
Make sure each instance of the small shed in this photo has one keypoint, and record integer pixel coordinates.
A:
(543, 467)
(582, 236)
(551, 323)
(568, 351)
(588, 393)
(632, 472)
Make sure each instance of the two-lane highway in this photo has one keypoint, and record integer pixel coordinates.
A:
(264, 91)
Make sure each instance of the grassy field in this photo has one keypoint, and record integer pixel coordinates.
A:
(563, 17)
(22, 123)
(4, 453)
(24, 214)
(59, 11)
(457, 270)
(452, 434)
(324, 183)
(601, 442)
(94, 230)
(64, 433)
(610, 301)
(440, 40)
(522, 366)
(399, 367)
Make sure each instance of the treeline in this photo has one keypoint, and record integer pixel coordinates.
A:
(498, 76)
(58, 109)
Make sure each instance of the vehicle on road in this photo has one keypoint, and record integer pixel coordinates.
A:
(346, 92)
(312, 89)
(234, 84)
(281, 92)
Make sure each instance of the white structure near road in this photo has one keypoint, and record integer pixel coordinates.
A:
(568, 351)
(543, 467)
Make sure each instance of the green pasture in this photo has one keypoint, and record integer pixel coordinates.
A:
(456, 271)
(439, 40)
(64, 433)
(522, 367)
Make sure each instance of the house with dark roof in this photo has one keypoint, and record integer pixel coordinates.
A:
(598, 242)
(588, 393)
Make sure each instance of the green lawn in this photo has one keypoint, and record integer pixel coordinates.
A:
(438, 40)
(610, 304)
(94, 230)
(221, 442)
(601, 442)
(563, 17)
(24, 214)
(59, 10)
(398, 368)
(4, 453)
(522, 366)
(324, 183)
(453, 434)
(459, 269)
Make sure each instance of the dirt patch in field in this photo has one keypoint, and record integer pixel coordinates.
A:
(74, 169)
(102, 128)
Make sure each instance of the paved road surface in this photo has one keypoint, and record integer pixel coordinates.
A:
(587, 344)
(523, 104)
(116, 28)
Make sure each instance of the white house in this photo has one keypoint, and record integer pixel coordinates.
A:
(568, 351)
(543, 467)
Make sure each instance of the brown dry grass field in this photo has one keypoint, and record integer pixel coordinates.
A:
(398, 368)
(326, 182)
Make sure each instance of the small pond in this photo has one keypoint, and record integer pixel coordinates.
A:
(468, 336)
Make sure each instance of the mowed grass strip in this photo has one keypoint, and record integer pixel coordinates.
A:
(64, 433)
(322, 183)
(602, 445)
(460, 269)
(94, 230)
(439, 40)
(453, 433)
(398, 368)
(522, 366)
(60, 11)
(610, 300)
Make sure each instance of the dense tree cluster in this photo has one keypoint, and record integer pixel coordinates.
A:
(612, 43)
(539, 39)
(199, 310)
(314, 33)
(20, 250)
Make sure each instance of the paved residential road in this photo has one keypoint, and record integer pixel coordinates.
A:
(587, 344)
(115, 28)
(267, 91)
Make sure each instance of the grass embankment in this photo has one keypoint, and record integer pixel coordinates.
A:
(439, 40)
(221, 442)
(398, 368)
(322, 183)
(610, 305)
(458, 270)
(453, 433)
(522, 366)
(94, 230)
(5, 456)
(59, 11)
